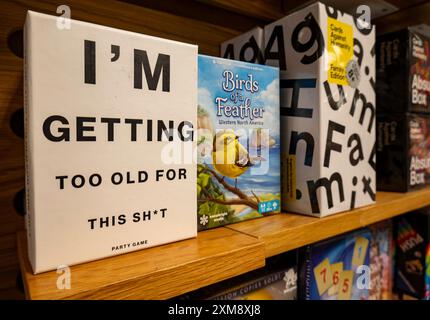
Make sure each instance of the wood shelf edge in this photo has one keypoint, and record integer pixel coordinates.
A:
(284, 232)
(213, 256)
(193, 264)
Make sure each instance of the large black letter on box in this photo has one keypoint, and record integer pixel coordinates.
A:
(330, 144)
(308, 139)
(162, 64)
(229, 52)
(327, 184)
(257, 55)
(316, 37)
(65, 132)
(335, 105)
(278, 36)
(365, 106)
(296, 85)
(90, 61)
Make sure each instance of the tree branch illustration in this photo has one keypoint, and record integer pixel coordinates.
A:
(243, 198)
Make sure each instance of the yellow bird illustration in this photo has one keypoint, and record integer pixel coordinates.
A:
(229, 157)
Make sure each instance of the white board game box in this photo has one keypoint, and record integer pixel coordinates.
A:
(109, 118)
(328, 111)
(247, 47)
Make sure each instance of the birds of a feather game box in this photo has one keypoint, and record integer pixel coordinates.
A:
(105, 142)
(238, 174)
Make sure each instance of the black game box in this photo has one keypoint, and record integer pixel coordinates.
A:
(403, 152)
(403, 71)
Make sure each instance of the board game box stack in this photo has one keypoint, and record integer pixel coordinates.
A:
(238, 141)
(403, 120)
(99, 118)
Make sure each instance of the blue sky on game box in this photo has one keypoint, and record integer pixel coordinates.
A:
(210, 86)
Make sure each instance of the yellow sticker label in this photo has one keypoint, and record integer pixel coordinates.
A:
(345, 285)
(323, 276)
(336, 270)
(360, 249)
(290, 187)
(340, 50)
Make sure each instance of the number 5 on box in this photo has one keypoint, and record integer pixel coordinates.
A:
(345, 285)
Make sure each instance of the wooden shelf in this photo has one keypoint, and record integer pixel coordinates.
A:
(173, 269)
(284, 232)
(155, 273)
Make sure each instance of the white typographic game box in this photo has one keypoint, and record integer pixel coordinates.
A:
(109, 118)
(327, 83)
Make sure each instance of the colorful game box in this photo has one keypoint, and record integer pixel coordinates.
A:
(277, 280)
(412, 234)
(238, 174)
(248, 47)
(403, 71)
(281, 285)
(381, 260)
(327, 78)
(336, 269)
(101, 114)
(403, 151)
